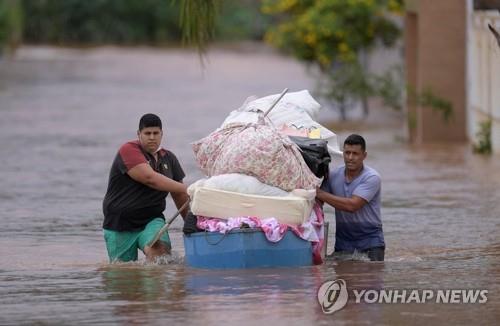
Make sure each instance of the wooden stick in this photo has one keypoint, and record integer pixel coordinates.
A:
(276, 102)
(167, 224)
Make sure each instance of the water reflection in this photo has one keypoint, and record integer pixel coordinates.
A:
(243, 282)
(362, 276)
(142, 289)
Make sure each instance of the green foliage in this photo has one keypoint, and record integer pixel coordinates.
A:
(240, 20)
(483, 144)
(349, 83)
(101, 21)
(427, 98)
(345, 84)
(10, 24)
(198, 21)
(326, 32)
(412, 120)
(335, 35)
(204, 20)
(389, 87)
(155, 22)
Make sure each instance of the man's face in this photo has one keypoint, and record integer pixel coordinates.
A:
(353, 157)
(150, 138)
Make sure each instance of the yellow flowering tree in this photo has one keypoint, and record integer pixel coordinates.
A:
(328, 31)
(335, 35)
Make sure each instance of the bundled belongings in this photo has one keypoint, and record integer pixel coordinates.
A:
(258, 150)
(259, 176)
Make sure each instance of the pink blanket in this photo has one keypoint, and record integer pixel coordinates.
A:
(312, 230)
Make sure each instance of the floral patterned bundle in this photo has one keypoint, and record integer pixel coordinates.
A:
(258, 150)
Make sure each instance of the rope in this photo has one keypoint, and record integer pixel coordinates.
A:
(218, 241)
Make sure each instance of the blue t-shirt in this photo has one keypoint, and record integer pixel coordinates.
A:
(363, 229)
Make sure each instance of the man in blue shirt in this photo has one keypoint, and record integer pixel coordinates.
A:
(354, 191)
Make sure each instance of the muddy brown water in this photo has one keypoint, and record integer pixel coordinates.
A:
(63, 115)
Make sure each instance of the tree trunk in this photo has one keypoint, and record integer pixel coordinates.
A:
(366, 107)
(363, 57)
(343, 111)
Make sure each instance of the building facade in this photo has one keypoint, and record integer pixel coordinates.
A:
(451, 53)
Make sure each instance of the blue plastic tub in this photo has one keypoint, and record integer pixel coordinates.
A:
(245, 248)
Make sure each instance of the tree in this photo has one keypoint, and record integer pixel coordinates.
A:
(198, 21)
(10, 24)
(336, 36)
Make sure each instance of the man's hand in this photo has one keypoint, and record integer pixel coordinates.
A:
(320, 194)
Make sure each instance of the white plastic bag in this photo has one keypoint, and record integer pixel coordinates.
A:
(297, 108)
(241, 183)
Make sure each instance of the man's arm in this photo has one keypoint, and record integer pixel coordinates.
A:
(179, 199)
(143, 173)
(350, 205)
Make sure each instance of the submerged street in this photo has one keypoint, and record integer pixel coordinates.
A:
(64, 114)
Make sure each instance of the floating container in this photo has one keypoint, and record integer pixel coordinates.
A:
(245, 248)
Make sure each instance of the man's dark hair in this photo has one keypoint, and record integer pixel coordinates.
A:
(355, 140)
(149, 120)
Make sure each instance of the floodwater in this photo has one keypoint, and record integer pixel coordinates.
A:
(63, 115)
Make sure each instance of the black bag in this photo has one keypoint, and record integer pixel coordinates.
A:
(315, 154)
(190, 224)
